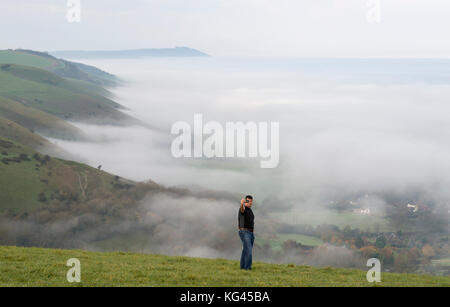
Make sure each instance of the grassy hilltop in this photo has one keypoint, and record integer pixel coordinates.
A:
(47, 267)
(59, 67)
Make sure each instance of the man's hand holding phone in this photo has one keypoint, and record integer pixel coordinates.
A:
(243, 204)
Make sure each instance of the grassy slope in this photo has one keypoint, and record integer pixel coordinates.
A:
(13, 131)
(62, 68)
(47, 267)
(60, 97)
(17, 57)
(32, 99)
(86, 73)
(21, 183)
(36, 120)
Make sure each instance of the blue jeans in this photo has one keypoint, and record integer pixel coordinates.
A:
(247, 238)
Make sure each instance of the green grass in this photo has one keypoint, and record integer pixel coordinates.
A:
(13, 131)
(62, 68)
(34, 120)
(27, 59)
(134, 242)
(47, 92)
(22, 183)
(47, 267)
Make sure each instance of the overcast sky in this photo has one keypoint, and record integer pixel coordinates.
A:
(305, 28)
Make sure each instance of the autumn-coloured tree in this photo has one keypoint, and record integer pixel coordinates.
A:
(413, 255)
(428, 251)
(369, 251)
(401, 263)
(387, 255)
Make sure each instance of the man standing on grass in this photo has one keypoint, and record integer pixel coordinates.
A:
(246, 226)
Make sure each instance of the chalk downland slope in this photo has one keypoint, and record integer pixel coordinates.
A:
(30, 180)
(34, 121)
(57, 96)
(60, 67)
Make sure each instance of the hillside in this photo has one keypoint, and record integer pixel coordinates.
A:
(40, 94)
(47, 267)
(129, 54)
(60, 67)
(30, 180)
(32, 120)
(13, 131)
(39, 192)
(57, 96)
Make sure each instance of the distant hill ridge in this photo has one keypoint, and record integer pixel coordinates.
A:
(129, 54)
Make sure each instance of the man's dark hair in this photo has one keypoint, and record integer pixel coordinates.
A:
(249, 196)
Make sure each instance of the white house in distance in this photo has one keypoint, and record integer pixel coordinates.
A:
(412, 207)
(362, 211)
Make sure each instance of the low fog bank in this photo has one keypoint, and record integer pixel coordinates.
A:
(345, 131)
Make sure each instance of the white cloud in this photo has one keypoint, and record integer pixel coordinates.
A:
(340, 133)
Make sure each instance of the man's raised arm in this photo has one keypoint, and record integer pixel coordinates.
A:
(242, 205)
